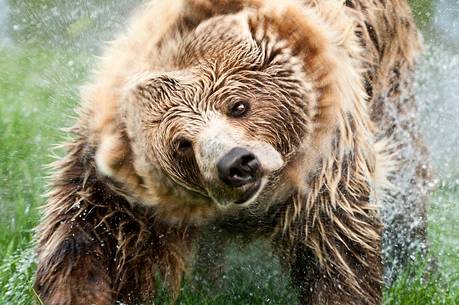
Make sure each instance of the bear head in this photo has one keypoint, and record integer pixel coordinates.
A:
(238, 109)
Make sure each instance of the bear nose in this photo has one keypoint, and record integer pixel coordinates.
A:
(238, 167)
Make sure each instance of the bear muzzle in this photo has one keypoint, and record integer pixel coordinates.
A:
(234, 166)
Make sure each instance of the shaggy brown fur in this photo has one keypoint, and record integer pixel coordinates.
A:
(328, 85)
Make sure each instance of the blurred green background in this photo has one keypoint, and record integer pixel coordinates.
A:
(47, 48)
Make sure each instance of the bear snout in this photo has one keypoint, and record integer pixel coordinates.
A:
(235, 167)
(239, 167)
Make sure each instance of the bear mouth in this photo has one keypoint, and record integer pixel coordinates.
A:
(251, 192)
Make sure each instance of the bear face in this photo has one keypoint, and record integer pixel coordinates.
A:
(221, 125)
(231, 110)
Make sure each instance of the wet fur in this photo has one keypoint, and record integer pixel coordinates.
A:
(353, 63)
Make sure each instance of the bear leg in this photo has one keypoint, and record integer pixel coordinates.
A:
(318, 284)
(73, 269)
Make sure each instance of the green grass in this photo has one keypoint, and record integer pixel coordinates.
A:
(31, 106)
(37, 92)
(34, 100)
(22, 150)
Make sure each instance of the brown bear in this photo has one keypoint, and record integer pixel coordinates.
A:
(288, 120)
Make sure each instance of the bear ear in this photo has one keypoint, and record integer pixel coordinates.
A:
(112, 152)
(114, 160)
(113, 147)
(115, 132)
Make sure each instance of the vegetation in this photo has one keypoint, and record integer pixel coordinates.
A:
(37, 95)
(422, 11)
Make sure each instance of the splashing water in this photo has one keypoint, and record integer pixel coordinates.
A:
(68, 31)
(3, 21)
(437, 89)
(437, 93)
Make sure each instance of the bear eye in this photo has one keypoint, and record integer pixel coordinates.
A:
(183, 146)
(238, 109)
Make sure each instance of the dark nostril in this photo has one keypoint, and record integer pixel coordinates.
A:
(238, 167)
(250, 161)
